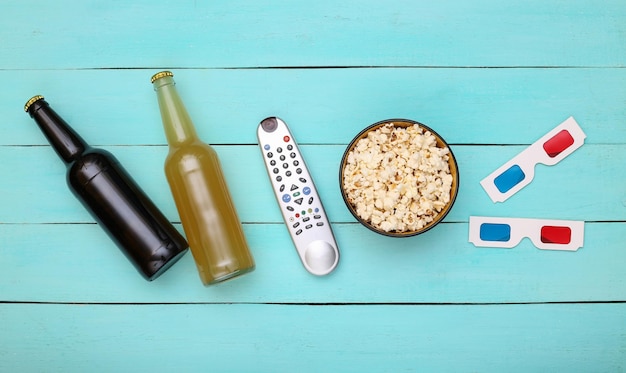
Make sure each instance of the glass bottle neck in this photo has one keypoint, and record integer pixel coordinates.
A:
(177, 124)
(65, 141)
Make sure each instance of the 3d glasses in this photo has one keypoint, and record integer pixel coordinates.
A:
(508, 232)
(519, 171)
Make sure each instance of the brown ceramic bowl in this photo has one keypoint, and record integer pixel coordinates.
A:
(440, 143)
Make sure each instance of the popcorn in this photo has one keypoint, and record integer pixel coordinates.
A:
(397, 179)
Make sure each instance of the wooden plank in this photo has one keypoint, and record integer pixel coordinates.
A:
(77, 263)
(324, 106)
(275, 338)
(274, 33)
(585, 186)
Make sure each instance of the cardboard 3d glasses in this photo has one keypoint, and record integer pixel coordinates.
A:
(508, 232)
(519, 171)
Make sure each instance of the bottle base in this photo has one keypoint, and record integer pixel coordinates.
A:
(170, 262)
(229, 276)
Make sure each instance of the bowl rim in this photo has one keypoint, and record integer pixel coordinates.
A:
(452, 159)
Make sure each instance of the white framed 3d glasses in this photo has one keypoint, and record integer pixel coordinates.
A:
(545, 234)
(550, 149)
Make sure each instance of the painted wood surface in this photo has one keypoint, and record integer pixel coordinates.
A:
(326, 106)
(241, 33)
(286, 338)
(490, 77)
(438, 267)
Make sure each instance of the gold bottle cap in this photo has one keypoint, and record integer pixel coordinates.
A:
(160, 75)
(32, 101)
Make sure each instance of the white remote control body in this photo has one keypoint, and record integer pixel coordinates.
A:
(299, 202)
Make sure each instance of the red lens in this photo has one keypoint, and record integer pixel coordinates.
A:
(558, 235)
(558, 143)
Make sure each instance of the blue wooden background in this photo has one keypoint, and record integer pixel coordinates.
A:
(490, 76)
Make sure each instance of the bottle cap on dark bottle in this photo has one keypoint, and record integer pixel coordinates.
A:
(32, 101)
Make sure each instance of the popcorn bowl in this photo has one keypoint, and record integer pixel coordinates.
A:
(404, 206)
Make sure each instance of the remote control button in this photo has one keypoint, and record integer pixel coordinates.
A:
(292, 154)
(310, 211)
(302, 180)
(296, 224)
(297, 215)
(282, 157)
(310, 200)
(279, 178)
(306, 219)
(290, 208)
(317, 216)
(267, 147)
(296, 163)
(317, 210)
(319, 224)
(298, 171)
(320, 257)
(296, 194)
(282, 188)
(298, 232)
(306, 191)
(309, 226)
(279, 149)
(286, 198)
(288, 173)
(294, 187)
(298, 201)
(269, 124)
(270, 155)
(285, 165)
(286, 139)
(273, 162)
(289, 147)
(275, 170)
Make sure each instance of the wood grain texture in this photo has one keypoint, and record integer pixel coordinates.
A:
(277, 338)
(440, 266)
(584, 186)
(276, 33)
(325, 106)
(491, 77)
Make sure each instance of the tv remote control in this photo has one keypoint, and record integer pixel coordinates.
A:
(297, 197)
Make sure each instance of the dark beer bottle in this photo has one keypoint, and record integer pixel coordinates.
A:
(112, 197)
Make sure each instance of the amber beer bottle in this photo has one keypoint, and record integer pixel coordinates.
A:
(206, 210)
(114, 200)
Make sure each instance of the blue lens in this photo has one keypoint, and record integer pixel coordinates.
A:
(495, 232)
(509, 178)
